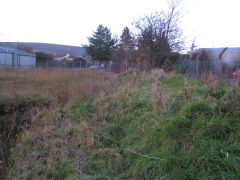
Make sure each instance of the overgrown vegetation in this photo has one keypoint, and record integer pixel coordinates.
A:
(135, 126)
(15, 116)
(32, 100)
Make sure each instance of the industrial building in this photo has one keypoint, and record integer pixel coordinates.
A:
(16, 58)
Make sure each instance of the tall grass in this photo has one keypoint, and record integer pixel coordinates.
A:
(21, 93)
(129, 126)
(57, 84)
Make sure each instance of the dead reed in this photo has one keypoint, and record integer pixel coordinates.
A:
(60, 85)
(158, 75)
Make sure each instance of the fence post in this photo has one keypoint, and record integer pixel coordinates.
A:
(197, 64)
(219, 68)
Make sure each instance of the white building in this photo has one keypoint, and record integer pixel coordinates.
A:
(230, 57)
(14, 57)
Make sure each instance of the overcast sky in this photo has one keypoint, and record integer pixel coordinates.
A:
(214, 23)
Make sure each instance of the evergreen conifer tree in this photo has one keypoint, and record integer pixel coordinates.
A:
(101, 44)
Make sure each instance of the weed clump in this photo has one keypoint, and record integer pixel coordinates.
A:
(174, 80)
(178, 127)
(199, 109)
(229, 104)
(82, 111)
(217, 93)
(217, 131)
(177, 103)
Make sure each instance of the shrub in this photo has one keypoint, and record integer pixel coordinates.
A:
(178, 103)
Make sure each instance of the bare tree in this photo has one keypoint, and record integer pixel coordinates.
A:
(193, 45)
(160, 34)
(126, 49)
(126, 45)
(173, 19)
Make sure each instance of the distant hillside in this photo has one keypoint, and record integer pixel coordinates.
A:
(58, 50)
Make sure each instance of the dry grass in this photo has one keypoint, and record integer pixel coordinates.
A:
(60, 85)
(50, 127)
(158, 75)
(134, 126)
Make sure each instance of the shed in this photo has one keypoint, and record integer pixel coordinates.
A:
(14, 57)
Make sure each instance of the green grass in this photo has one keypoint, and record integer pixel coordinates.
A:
(193, 142)
(125, 135)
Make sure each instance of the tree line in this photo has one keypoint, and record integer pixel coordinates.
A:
(156, 43)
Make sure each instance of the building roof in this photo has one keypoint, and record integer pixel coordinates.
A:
(216, 49)
(5, 49)
(57, 49)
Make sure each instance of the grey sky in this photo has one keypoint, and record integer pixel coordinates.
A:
(214, 23)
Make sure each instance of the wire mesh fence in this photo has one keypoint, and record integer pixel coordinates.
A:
(79, 63)
(89, 64)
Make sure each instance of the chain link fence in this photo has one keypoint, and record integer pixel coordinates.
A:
(115, 66)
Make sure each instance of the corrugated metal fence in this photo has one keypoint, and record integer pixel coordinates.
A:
(11, 59)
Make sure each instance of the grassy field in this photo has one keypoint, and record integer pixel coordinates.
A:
(135, 125)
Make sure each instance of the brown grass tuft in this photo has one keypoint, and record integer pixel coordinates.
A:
(60, 85)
